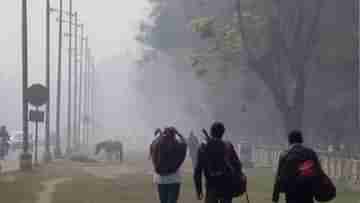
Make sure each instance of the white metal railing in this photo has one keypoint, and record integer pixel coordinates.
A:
(336, 165)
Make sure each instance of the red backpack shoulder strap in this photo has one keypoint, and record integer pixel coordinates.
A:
(229, 148)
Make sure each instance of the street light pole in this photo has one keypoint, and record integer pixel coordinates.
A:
(26, 158)
(47, 156)
(68, 150)
(59, 78)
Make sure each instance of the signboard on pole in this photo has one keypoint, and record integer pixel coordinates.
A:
(36, 116)
(37, 95)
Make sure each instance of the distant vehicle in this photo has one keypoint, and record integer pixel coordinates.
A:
(16, 140)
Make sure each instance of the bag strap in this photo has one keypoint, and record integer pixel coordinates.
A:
(247, 197)
(206, 135)
(227, 154)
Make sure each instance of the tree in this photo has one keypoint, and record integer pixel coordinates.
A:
(279, 40)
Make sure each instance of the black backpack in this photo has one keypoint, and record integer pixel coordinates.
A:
(167, 159)
(324, 189)
(301, 172)
(224, 169)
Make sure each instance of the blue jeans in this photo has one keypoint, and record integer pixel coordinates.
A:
(169, 193)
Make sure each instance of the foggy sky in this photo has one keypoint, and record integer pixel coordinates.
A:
(111, 26)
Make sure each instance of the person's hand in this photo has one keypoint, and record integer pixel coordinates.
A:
(205, 133)
(173, 129)
(200, 196)
(157, 131)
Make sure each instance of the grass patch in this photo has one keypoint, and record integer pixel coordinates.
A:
(20, 188)
(24, 187)
(138, 188)
(128, 188)
(261, 185)
(90, 189)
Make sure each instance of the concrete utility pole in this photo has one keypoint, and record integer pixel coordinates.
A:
(357, 133)
(26, 158)
(87, 96)
(47, 155)
(80, 82)
(58, 153)
(68, 149)
(84, 132)
(85, 48)
(75, 135)
(93, 86)
(90, 95)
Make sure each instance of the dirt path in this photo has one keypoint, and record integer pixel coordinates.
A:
(50, 187)
(111, 172)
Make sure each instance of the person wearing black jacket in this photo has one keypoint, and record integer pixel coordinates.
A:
(287, 176)
(211, 163)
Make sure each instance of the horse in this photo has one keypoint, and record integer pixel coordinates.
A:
(111, 148)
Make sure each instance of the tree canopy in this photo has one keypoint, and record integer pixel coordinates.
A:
(281, 41)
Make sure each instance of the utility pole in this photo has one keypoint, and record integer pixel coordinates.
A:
(89, 97)
(86, 92)
(68, 150)
(47, 155)
(26, 158)
(81, 81)
(357, 133)
(86, 89)
(93, 86)
(83, 135)
(59, 78)
(75, 136)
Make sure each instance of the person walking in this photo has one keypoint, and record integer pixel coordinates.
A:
(193, 143)
(219, 163)
(4, 139)
(296, 171)
(168, 152)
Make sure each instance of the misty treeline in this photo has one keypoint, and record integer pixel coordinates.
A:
(274, 65)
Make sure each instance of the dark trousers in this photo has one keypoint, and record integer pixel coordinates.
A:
(169, 193)
(212, 198)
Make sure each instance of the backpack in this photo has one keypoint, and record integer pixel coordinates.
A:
(224, 169)
(324, 189)
(301, 172)
(166, 157)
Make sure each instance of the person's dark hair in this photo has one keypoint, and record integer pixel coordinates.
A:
(217, 130)
(295, 137)
(170, 133)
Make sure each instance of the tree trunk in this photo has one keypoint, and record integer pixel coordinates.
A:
(296, 109)
(293, 119)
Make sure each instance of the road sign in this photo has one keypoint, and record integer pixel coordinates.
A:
(36, 116)
(37, 95)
